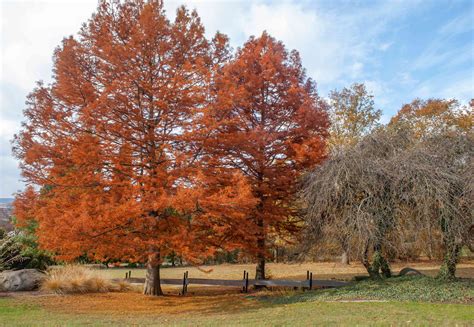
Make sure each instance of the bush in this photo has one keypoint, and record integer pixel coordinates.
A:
(19, 250)
(10, 253)
(79, 279)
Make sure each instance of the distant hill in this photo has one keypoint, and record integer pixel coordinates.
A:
(6, 200)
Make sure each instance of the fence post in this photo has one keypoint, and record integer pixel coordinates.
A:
(183, 292)
(310, 281)
(247, 283)
(126, 275)
(307, 274)
(243, 280)
(129, 274)
(187, 274)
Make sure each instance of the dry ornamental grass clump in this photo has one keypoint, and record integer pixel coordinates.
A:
(78, 279)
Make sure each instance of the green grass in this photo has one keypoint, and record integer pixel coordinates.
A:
(409, 300)
(407, 288)
(295, 314)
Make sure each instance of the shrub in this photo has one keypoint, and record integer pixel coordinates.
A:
(35, 257)
(19, 249)
(10, 253)
(79, 279)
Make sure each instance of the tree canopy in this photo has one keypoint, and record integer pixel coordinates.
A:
(388, 183)
(353, 115)
(153, 140)
(109, 141)
(268, 123)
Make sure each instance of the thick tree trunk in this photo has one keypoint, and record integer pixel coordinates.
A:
(152, 280)
(448, 269)
(379, 263)
(260, 270)
(365, 261)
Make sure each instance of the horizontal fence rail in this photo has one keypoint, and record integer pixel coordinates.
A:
(309, 283)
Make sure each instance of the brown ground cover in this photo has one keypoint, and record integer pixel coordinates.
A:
(203, 301)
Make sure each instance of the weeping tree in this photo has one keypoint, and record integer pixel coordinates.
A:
(468, 201)
(388, 183)
(433, 187)
(351, 194)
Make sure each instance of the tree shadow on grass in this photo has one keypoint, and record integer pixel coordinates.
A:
(196, 302)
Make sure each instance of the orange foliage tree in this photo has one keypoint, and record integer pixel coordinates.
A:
(434, 116)
(267, 122)
(109, 144)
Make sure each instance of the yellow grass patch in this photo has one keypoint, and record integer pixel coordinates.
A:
(321, 270)
(79, 279)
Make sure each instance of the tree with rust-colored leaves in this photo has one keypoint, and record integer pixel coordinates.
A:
(109, 143)
(267, 122)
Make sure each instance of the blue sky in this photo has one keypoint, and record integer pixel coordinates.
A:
(400, 49)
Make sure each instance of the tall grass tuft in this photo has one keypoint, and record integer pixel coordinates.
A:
(79, 279)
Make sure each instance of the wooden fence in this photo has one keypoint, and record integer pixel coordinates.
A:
(245, 282)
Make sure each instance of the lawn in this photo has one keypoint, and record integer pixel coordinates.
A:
(405, 300)
(119, 308)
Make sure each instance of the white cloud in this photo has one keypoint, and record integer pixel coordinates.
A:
(462, 89)
(31, 31)
(335, 45)
(8, 128)
(438, 55)
(461, 24)
(10, 176)
(457, 86)
(385, 46)
(406, 78)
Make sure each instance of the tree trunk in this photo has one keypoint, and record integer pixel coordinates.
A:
(448, 269)
(152, 280)
(379, 263)
(345, 254)
(430, 243)
(382, 263)
(260, 271)
(365, 261)
(345, 258)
